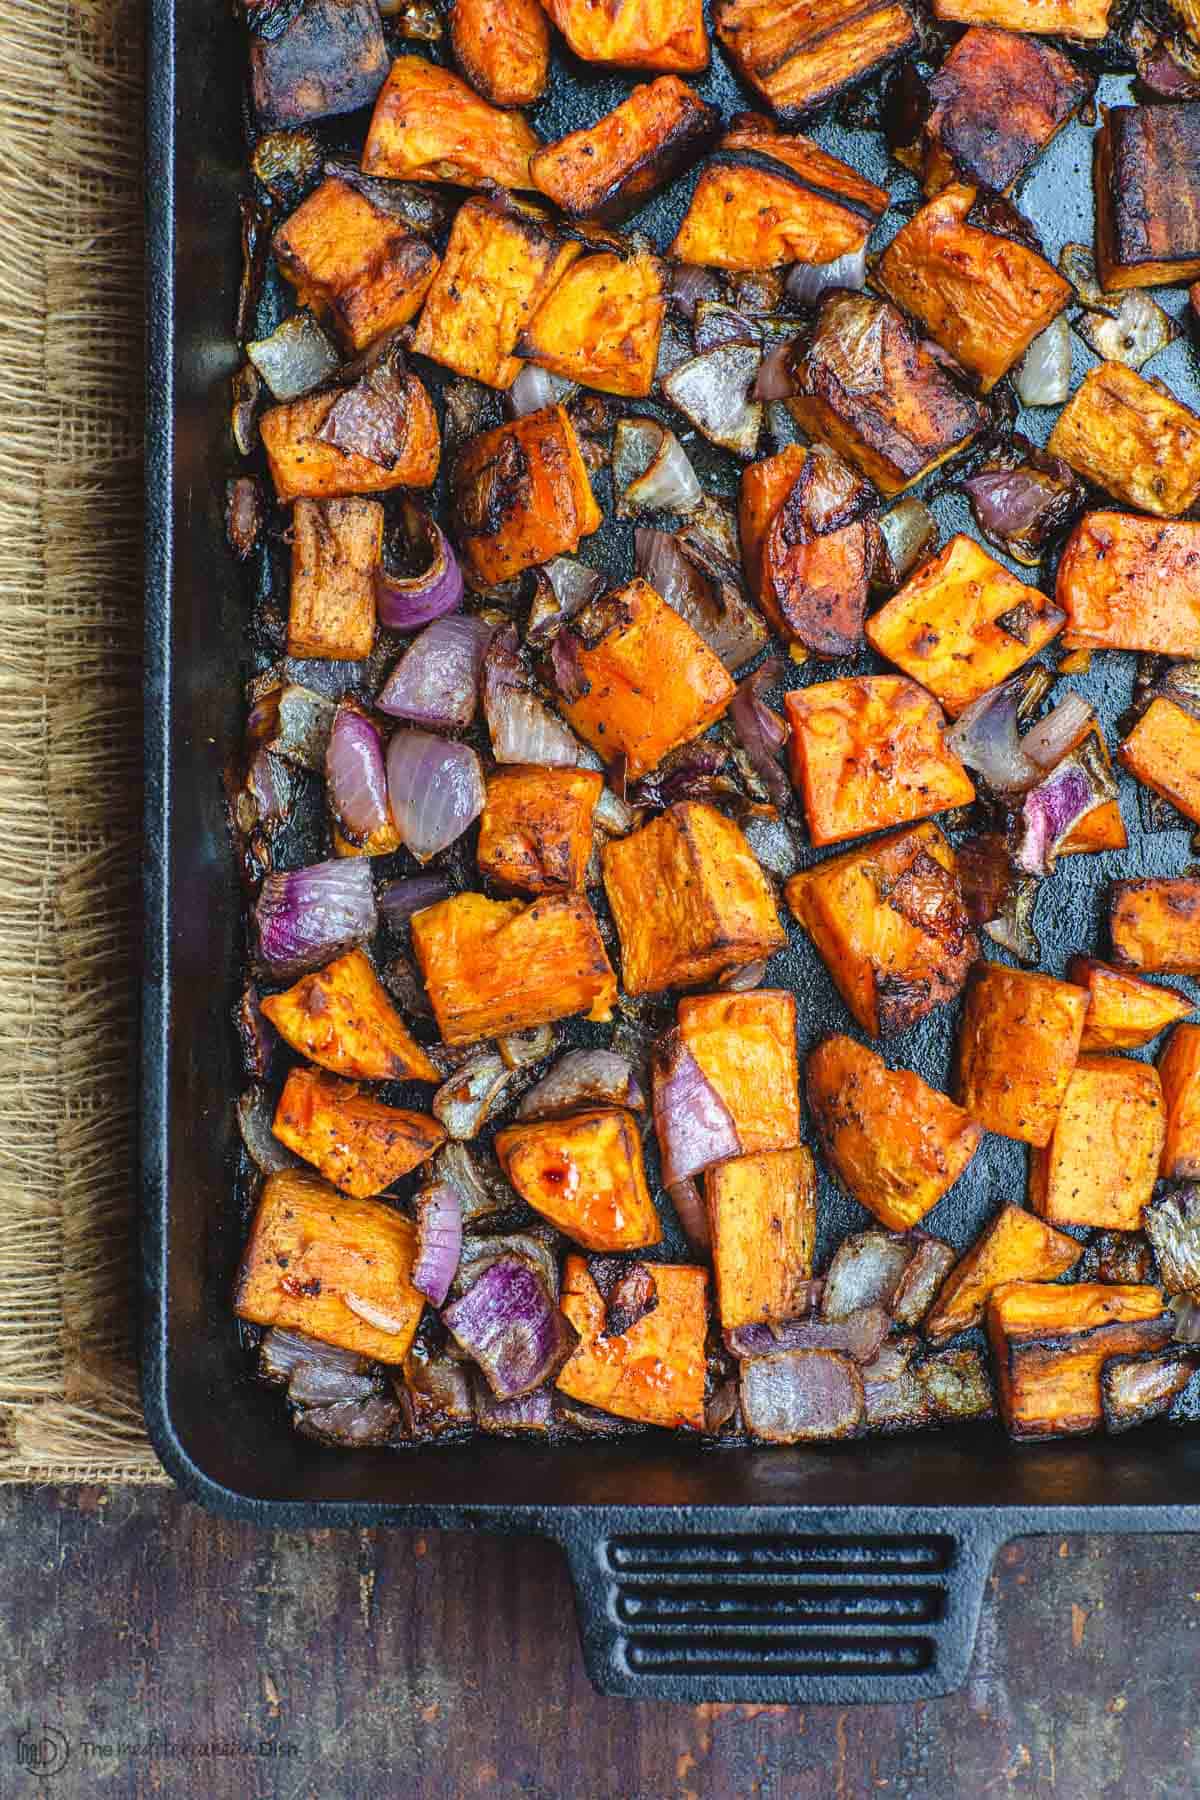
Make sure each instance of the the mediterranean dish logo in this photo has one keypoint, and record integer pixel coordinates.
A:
(43, 1750)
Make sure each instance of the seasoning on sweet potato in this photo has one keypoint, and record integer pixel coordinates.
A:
(642, 681)
(601, 324)
(1123, 1012)
(1155, 925)
(689, 900)
(654, 1371)
(1103, 828)
(1141, 445)
(608, 169)
(522, 495)
(351, 259)
(962, 624)
(428, 125)
(1128, 583)
(808, 528)
(495, 966)
(336, 547)
(745, 1045)
(890, 923)
(1049, 1345)
(868, 387)
(535, 832)
(762, 1213)
(356, 1142)
(1054, 18)
(328, 58)
(1018, 1045)
(585, 1174)
(1163, 751)
(341, 1018)
(305, 466)
(504, 51)
(334, 1268)
(1015, 1246)
(981, 295)
(1179, 1070)
(638, 34)
(1147, 183)
(896, 1143)
(799, 56)
(1101, 1163)
(867, 752)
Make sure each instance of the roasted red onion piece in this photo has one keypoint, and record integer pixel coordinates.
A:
(1047, 742)
(537, 1248)
(1187, 1319)
(355, 779)
(1023, 498)
(305, 917)
(297, 357)
(530, 1413)
(1139, 330)
(771, 840)
(694, 574)
(931, 1262)
(1173, 1226)
(521, 1049)
(985, 736)
(866, 1271)
(435, 788)
(255, 1115)
(1077, 786)
(405, 603)
(761, 732)
(508, 1324)
(439, 1240)
(303, 723)
(245, 514)
(692, 772)
(857, 1336)
(808, 283)
(563, 586)
(282, 1352)
(465, 1102)
(651, 471)
(521, 726)
(690, 284)
(256, 1034)
(908, 534)
(774, 378)
(436, 681)
(692, 1213)
(1134, 1390)
(741, 981)
(631, 1297)
(534, 388)
(956, 1385)
(247, 391)
(695, 1127)
(351, 1424)
(801, 1395)
(894, 1399)
(583, 1078)
(434, 1389)
(1043, 375)
(410, 894)
(370, 417)
(288, 164)
(713, 392)
(482, 1190)
(316, 1382)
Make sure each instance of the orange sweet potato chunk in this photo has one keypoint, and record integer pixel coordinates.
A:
(535, 832)
(807, 572)
(1017, 1048)
(349, 258)
(1124, 1012)
(1049, 1346)
(1179, 1070)
(762, 1213)
(746, 1046)
(341, 1018)
(585, 1174)
(356, 1142)
(504, 51)
(428, 125)
(1163, 751)
(303, 467)
(601, 324)
(1101, 1163)
(607, 169)
(799, 53)
(1127, 583)
(1016, 1246)
(654, 1372)
(336, 548)
(1155, 925)
(638, 34)
(1055, 18)
(522, 495)
(1131, 438)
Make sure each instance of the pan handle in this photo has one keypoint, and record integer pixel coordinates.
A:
(797, 1608)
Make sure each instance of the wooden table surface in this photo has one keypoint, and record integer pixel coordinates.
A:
(146, 1649)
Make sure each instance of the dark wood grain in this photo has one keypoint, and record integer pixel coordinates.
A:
(432, 1667)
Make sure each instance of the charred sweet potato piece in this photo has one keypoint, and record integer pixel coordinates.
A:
(1103, 828)
(341, 1018)
(336, 547)
(1101, 1163)
(643, 681)
(1139, 444)
(762, 1213)
(982, 296)
(1053, 18)
(891, 926)
(304, 466)
(522, 495)
(962, 623)
(602, 323)
(689, 900)
(808, 532)
(494, 966)
(428, 125)
(1155, 925)
(799, 54)
(654, 1371)
(1123, 1012)
(897, 1144)
(329, 58)
(1131, 584)
(351, 259)
(866, 386)
(1016, 1246)
(1179, 1070)
(639, 34)
(585, 1174)
(536, 829)
(746, 1046)
(504, 51)
(1017, 1049)
(1147, 177)
(1163, 751)
(1049, 1345)
(608, 169)
(867, 752)
(313, 1253)
(356, 1142)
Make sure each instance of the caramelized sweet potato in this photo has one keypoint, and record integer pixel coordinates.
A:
(1016, 1246)
(536, 829)
(602, 323)
(341, 1018)
(891, 926)
(869, 388)
(654, 1371)
(329, 58)
(746, 1046)
(643, 682)
(1163, 751)
(1155, 925)
(638, 34)
(799, 53)
(982, 296)
(689, 900)
(428, 125)
(522, 495)
(1053, 18)
(1017, 1048)
(1049, 1345)
(762, 1213)
(336, 547)
(808, 532)
(350, 259)
(1179, 1070)
(504, 51)
(313, 1253)
(356, 1142)
(896, 1144)
(303, 466)
(1123, 1012)
(1131, 584)
(495, 966)
(1147, 179)
(867, 752)
(585, 1174)
(1101, 1163)
(608, 169)
(1139, 444)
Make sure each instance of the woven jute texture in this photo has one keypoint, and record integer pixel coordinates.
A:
(70, 700)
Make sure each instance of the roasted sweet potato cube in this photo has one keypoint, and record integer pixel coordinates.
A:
(1179, 1069)
(1155, 925)
(522, 495)
(336, 547)
(1016, 1246)
(601, 324)
(356, 1142)
(1123, 1012)
(762, 1213)
(808, 532)
(504, 51)
(868, 387)
(1147, 177)
(1139, 444)
(896, 1143)
(799, 54)
(428, 125)
(654, 1371)
(304, 467)
(644, 682)
(313, 1253)
(1101, 1163)
(1163, 751)
(1017, 1048)
(746, 1046)
(1131, 584)
(341, 1018)
(585, 1174)
(494, 966)
(867, 752)
(329, 58)
(608, 169)
(349, 258)
(654, 34)
(1053, 18)
(1103, 828)
(535, 832)
(689, 900)
(981, 296)
(1049, 1345)
(890, 923)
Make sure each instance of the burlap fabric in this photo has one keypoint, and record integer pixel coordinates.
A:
(70, 700)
